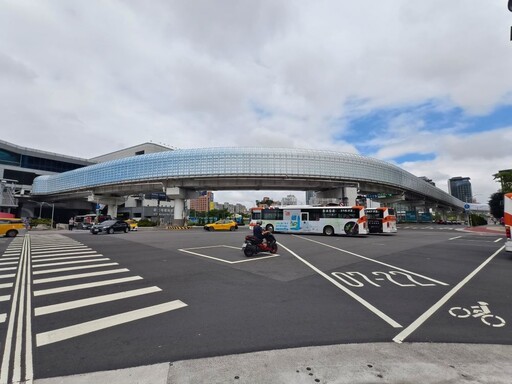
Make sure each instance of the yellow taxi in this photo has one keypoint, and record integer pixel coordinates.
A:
(223, 225)
(11, 227)
(133, 224)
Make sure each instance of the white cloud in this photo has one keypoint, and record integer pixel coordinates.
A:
(87, 78)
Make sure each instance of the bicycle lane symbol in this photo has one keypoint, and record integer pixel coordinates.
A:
(481, 311)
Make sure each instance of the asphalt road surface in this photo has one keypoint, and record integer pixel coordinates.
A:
(72, 302)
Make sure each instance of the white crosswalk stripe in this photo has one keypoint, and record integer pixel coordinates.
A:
(52, 254)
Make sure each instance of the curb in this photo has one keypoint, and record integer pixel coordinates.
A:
(493, 231)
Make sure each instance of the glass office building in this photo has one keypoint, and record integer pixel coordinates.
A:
(460, 187)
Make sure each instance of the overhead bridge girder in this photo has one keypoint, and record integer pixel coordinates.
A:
(257, 183)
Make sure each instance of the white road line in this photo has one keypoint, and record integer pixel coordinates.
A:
(17, 367)
(77, 287)
(375, 261)
(67, 258)
(69, 262)
(57, 335)
(208, 257)
(10, 258)
(29, 362)
(9, 263)
(209, 246)
(15, 331)
(80, 276)
(40, 256)
(59, 248)
(6, 360)
(3, 317)
(8, 268)
(224, 261)
(454, 238)
(57, 270)
(8, 276)
(94, 300)
(498, 240)
(362, 301)
(6, 285)
(5, 298)
(255, 258)
(420, 320)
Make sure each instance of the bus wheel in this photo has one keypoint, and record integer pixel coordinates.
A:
(328, 231)
(269, 228)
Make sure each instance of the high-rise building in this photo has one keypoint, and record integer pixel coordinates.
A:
(202, 203)
(289, 200)
(460, 187)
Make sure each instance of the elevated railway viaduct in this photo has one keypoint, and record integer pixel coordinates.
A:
(182, 173)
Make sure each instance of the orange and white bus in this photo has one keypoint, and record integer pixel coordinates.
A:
(508, 220)
(381, 220)
(308, 219)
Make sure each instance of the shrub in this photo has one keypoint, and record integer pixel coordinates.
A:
(146, 223)
(478, 220)
(35, 222)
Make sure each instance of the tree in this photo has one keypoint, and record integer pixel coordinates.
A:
(496, 205)
(266, 201)
(505, 179)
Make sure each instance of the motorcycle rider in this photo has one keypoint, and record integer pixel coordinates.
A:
(259, 233)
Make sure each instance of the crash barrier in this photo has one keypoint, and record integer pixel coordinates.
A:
(177, 227)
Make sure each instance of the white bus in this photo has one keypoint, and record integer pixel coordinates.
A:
(508, 221)
(381, 220)
(308, 219)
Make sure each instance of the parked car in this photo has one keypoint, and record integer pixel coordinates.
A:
(110, 226)
(226, 225)
(11, 227)
(133, 224)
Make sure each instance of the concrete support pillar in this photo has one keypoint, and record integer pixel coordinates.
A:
(112, 202)
(179, 195)
(179, 212)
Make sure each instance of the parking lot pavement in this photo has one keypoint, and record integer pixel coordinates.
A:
(425, 363)
(317, 291)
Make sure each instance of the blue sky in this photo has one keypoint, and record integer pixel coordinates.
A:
(424, 85)
(367, 132)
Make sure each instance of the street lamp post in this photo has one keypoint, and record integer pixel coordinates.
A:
(53, 211)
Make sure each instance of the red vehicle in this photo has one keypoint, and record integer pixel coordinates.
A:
(253, 245)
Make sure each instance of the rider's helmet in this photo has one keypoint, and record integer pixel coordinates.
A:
(259, 222)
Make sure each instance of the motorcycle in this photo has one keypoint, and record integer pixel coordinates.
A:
(253, 245)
